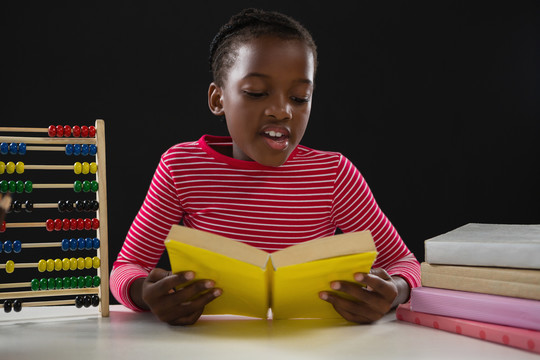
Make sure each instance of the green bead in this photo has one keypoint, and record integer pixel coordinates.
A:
(28, 186)
(74, 282)
(94, 186)
(77, 186)
(34, 284)
(52, 284)
(88, 281)
(96, 281)
(66, 282)
(43, 284)
(12, 186)
(81, 282)
(20, 186)
(59, 284)
(86, 186)
(4, 186)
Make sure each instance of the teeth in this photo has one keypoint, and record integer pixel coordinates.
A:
(273, 133)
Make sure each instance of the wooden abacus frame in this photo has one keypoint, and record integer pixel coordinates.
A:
(101, 214)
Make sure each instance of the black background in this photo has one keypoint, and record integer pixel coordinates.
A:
(435, 102)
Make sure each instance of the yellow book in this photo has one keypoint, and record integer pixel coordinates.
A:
(288, 281)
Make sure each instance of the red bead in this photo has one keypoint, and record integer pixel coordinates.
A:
(2, 227)
(73, 224)
(67, 131)
(84, 131)
(87, 224)
(49, 224)
(58, 224)
(91, 131)
(59, 131)
(52, 131)
(95, 223)
(65, 224)
(76, 130)
(80, 224)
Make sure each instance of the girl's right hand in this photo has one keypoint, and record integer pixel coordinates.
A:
(177, 307)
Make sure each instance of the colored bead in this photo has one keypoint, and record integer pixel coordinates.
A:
(88, 262)
(88, 281)
(88, 242)
(22, 149)
(73, 224)
(42, 265)
(80, 263)
(73, 242)
(80, 224)
(86, 186)
(65, 264)
(52, 131)
(7, 306)
(57, 264)
(67, 131)
(58, 224)
(19, 186)
(4, 186)
(28, 186)
(49, 224)
(77, 186)
(28, 206)
(92, 149)
(13, 148)
(34, 284)
(43, 284)
(50, 265)
(80, 282)
(2, 167)
(65, 245)
(95, 243)
(93, 167)
(59, 130)
(59, 284)
(72, 264)
(19, 167)
(95, 300)
(77, 168)
(3, 226)
(17, 305)
(91, 131)
(84, 149)
(17, 246)
(84, 131)
(69, 149)
(94, 186)
(65, 224)
(96, 262)
(8, 247)
(81, 243)
(73, 280)
(77, 149)
(10, 167)
(4, 148)
(51, 284)
(95, 223)
(87, 224)
(66, 282)
(10, 266)
(96, 281)
(12, 186)
(76, 130)
(85, 168)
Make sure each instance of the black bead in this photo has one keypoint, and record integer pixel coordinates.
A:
(7, 306)
(61, 205)
(79, 205)
(79, 301)
(95, 205)
(95, 300)
(17, 206)
(68, 206)
(17, 305)
(29, 206)
(87, 301)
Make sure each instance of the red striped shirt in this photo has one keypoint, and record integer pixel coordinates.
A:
(270, 208)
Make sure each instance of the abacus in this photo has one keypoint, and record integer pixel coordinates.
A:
(83, 278)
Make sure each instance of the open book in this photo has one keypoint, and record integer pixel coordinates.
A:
(288, 281)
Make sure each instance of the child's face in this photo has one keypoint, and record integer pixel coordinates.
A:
(266, 99)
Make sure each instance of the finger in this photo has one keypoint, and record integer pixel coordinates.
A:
(378, 282)
(163, 280)
(188, 312)
(193, 290)
(352, 311)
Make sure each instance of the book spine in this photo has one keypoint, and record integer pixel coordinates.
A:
(506, 335)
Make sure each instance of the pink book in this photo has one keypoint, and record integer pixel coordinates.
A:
(506, 335)
(502, 310)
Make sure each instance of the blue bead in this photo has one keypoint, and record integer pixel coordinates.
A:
(17, 246)
(96, 243)
(73, 244)
(93, 149)
(8, 246)
(82, 244)
(4, 148)
(88, 244)
(13, 148)
(65, 244)
(69, 149)
(22, 149)
(77, 149)
(84, 149)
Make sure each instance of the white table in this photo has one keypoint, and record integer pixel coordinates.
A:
(69, 333)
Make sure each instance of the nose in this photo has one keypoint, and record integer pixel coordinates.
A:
(279, 108)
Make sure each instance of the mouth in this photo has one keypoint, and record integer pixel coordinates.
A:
(276, 137)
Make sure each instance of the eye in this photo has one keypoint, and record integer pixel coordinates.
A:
(254, 94)
(300, 100)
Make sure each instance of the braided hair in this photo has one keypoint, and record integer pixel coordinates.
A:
(247, 25)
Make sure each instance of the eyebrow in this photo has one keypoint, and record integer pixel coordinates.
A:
(256, 74)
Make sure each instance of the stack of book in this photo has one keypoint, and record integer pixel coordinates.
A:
(482, 281)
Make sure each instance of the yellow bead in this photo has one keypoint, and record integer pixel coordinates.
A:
(96, 262)
(19, 167)
(93, 167)
(42, 265)
(88, 262)
(57, 264)
(10, 167)
(2, 167)
(65, 264)
(72, 264)
(50, 265)
(77, 168)
(80, 263)
(10, 266)
(85, 168)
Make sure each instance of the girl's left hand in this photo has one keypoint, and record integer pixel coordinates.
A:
(366, 304)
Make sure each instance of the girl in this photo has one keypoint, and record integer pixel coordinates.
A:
(259, 186)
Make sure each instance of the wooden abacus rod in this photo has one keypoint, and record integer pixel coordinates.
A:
(23, 129)
(45, 293)
(15, 285)
(47, 140)
(46, 148)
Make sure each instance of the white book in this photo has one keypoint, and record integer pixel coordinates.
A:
(499, 245)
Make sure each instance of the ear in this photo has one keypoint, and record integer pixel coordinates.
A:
(215, 99)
